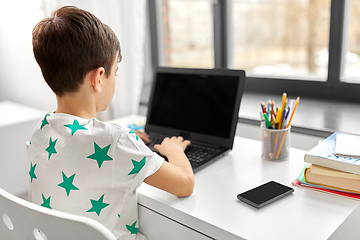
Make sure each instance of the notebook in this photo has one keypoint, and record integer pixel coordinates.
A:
(201, 105)
(347, 145)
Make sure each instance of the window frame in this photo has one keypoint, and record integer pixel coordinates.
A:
(333, 88)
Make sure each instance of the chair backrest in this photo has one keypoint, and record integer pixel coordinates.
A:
(20, 219)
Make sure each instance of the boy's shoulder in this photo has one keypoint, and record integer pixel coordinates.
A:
(56, 132)
(65, 124)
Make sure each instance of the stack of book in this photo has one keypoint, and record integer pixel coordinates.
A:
(333, 166)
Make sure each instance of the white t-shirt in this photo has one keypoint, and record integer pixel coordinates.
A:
(89, 168)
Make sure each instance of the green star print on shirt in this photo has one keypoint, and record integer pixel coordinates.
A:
(68, 183)
(75, 126)
(51, 148)
(89, 168)
(137, 166)
(46, 202)
(132, 132)
(32, 172)
(44, 121)
(132, 228)
(100, 154)
(98, 205)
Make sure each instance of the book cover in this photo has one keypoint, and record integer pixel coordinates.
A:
(324, 155)
(333, 192)
(301, 182)
(332, 178)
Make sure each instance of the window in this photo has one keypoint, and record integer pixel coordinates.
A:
(281, 37)
(187, 33)
(352, 55)
(307, 48)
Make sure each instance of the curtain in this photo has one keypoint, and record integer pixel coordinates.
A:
(128, 20)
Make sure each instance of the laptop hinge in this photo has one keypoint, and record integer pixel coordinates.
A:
(185, 135)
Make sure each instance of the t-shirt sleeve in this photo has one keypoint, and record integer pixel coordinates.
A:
(134, 161)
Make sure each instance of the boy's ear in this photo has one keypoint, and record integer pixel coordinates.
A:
(96, 80)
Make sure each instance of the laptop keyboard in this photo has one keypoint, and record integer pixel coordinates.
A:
(199, 153)
(195, 153)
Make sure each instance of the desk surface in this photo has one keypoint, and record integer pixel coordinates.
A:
(214, 210)
(13, 113)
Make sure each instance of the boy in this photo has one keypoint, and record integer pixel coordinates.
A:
(77, 163)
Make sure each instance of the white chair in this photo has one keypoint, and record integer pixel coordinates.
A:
(20, 219)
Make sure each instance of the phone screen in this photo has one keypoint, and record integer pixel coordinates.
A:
(265, 194)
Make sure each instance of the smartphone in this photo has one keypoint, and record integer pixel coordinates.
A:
(265, 194)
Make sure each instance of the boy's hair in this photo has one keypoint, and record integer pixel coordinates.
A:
(69, 44)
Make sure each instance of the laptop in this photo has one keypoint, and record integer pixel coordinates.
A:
(201, 105)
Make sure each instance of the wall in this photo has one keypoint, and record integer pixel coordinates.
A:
(21, 80)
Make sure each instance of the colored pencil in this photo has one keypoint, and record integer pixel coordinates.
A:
(288, 125)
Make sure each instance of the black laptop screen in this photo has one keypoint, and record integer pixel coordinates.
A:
(203, 104)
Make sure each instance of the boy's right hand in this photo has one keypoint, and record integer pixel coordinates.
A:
(173, 145)
(175, 176)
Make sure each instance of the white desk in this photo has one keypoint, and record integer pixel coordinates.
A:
(213, 211)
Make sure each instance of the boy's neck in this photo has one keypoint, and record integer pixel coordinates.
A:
(76, 105)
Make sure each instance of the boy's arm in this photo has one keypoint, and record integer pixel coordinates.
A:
(175, 176)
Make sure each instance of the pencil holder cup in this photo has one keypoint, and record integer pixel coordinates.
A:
(275, 143)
